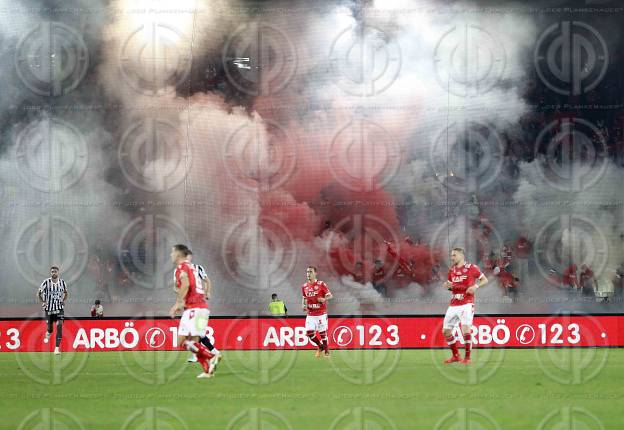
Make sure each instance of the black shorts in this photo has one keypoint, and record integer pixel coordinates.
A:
(54, 316)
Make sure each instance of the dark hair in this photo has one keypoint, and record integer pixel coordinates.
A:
(182, 248)
(97, 302)
(55, 267)
(274, 296)
(313, 268)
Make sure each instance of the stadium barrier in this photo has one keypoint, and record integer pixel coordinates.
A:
(348, 332)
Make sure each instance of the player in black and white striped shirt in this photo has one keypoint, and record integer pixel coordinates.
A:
(52, 293)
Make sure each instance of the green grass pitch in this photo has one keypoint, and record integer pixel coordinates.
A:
(402, 389)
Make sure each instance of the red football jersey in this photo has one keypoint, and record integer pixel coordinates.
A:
(462, 278)
(311, 292)
(195, 297)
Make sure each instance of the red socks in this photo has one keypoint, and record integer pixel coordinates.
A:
(453, 345)
(202, 351)
(468, 343)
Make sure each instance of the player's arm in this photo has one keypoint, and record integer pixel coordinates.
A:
(184, 287)
(65, 294)
(481, 281)
(328, 296)
(303, 303)
(208, 287)
(40, 294)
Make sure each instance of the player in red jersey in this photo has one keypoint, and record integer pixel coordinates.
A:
(314, 302)
(191, 297)
(463, 281)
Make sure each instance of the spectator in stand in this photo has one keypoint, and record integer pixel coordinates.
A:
(618, 283)
(97, 310)
(490, 263)
(569, 281)
(522, 250)
(506, 279)
(379, 274)
(587, 280)
(507, 254)
(358, 273)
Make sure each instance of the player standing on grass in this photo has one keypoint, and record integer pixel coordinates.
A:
(314, 301)
(52, 294)
(463, 281)
(191, 298)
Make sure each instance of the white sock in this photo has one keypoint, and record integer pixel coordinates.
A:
(190, 345)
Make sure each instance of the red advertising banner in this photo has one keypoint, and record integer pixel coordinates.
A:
(388, 332)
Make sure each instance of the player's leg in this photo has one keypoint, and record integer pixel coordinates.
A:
(197, 323)
(49, 328)
(201, 326)
(186, 331)
(59, 332)
(466, 318)
(310, 326)
(205, 340)
(322, 331)
(450, 320)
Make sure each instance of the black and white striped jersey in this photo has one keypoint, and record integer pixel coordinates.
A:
(201, 272)
(52, 293)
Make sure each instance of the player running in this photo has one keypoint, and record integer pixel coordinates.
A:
(314, 301)
(463, 280)
(204, 340)
(191, 298)
(52, 294)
